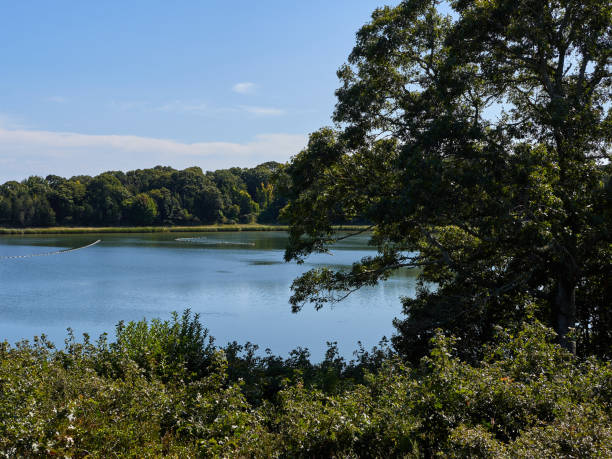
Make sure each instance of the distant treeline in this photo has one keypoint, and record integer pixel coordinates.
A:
(157, 196)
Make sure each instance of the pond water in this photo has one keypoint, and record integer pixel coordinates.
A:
(236, 281)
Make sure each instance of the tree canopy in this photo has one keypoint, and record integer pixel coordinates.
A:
(477, 145)
(160, 195)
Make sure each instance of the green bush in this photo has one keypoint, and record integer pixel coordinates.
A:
(180, 347)
(163, 389)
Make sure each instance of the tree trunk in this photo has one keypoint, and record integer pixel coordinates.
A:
(566, 313)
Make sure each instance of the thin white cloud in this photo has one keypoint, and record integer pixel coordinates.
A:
(200, 108)
(127, 105)
(57, 99)
(184, 107)
(262, 111)
(244, 88)
(10, 122)
(28, 152)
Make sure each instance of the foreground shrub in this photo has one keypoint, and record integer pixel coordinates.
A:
(163, 389)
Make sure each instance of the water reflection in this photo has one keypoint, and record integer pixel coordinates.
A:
(240, 289)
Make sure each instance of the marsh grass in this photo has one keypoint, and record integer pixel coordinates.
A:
(159, 229)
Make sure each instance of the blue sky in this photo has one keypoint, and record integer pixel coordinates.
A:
(93, 86)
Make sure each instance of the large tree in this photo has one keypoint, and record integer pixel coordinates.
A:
(478, 146)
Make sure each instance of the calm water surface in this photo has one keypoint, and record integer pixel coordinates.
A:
(237, 282)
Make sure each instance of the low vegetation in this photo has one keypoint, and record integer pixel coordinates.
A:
(143, 229)
(161, 229)
(164, 388)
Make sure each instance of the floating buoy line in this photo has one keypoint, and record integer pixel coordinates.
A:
(206, 241)
(57, 252)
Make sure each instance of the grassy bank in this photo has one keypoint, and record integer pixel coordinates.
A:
(141, 229)
(158, 229)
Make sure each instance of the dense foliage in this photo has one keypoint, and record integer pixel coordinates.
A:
(478, 146)
(163, 388)
(158, 196)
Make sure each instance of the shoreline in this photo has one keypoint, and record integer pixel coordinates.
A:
(159, 229)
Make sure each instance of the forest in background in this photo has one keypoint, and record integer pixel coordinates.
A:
(157, 196)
